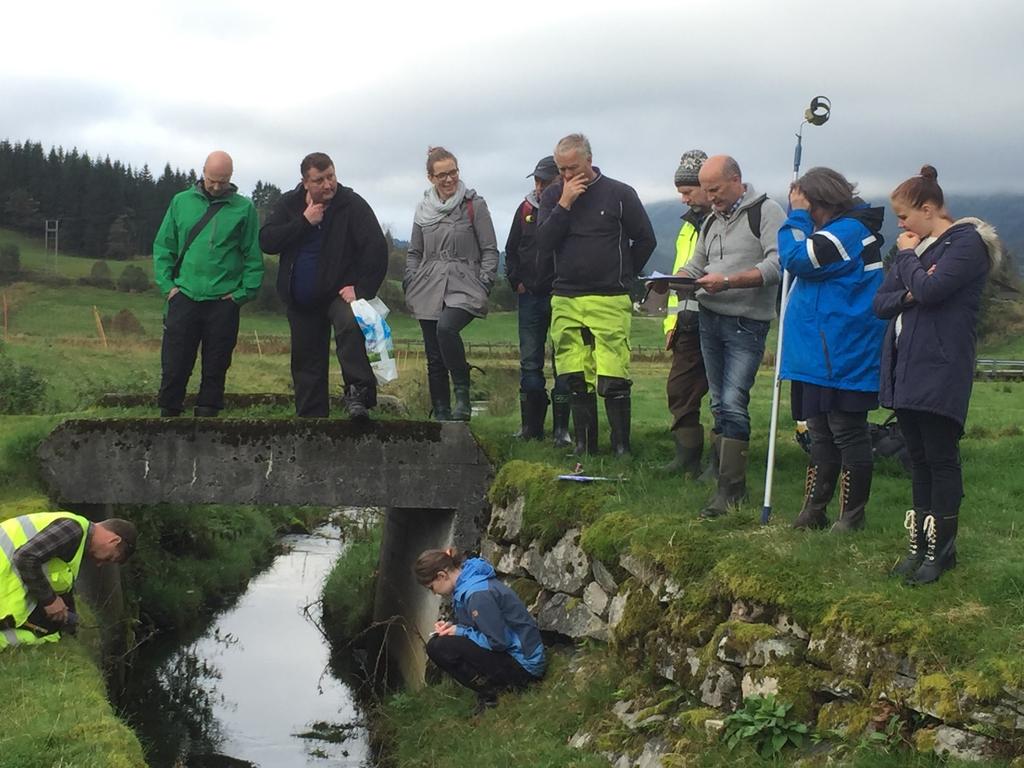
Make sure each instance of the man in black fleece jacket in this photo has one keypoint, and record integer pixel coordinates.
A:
(332, 252)
(601, 238)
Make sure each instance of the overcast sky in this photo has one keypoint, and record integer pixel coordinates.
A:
(373, 84)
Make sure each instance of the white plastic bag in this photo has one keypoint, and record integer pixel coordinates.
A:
(370, 316)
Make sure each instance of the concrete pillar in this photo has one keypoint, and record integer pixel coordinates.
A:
(409, 609)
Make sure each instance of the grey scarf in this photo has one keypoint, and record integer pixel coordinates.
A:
(432, 209)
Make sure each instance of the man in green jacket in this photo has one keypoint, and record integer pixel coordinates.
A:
(207, 262)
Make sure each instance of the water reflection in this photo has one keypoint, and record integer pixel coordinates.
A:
(255, 688)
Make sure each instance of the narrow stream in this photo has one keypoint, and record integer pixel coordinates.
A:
(255, 688)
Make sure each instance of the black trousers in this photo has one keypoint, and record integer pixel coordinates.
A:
(933, 442)
(483, 671)
(442, 344)
(840, 437)
(188, 325)
(311, 350)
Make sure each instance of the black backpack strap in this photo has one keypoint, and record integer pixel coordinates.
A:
(193, 233)
(754, 218)
(707, 225)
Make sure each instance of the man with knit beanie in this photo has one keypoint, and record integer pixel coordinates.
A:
(687, 382)
(736, 263)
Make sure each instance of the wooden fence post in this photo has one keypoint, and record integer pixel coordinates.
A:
(99, 325)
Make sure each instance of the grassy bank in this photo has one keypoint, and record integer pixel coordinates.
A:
(348, 593)
(189, 563)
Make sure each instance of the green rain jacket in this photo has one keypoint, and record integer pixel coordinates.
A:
(224, 259)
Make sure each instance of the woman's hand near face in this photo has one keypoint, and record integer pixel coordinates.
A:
(907, 241)
(797, 201)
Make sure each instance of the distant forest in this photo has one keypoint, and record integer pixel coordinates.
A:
(106, 209)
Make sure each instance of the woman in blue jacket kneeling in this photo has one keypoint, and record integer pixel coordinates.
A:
(832, 341)
(494, 644)
(931, 298)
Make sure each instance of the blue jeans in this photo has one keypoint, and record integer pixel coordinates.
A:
(534, 322)
(733, 348)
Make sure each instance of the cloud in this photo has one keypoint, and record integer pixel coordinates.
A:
(374, 85)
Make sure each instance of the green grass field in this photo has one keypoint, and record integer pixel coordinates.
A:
(970, 626)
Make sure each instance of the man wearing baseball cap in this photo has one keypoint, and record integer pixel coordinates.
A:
(531, 273)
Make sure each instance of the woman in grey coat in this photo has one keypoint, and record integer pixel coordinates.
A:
(451, 266)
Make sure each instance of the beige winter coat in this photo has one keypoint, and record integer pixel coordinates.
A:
(452, 263)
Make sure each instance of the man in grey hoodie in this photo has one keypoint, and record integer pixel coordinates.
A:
(736, 263)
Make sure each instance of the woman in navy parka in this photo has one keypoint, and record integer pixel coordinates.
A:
(931, 298)
(832, 341)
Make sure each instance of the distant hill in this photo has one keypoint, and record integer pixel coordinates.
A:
(1005, 212)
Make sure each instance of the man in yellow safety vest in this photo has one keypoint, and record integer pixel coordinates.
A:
(40, 557)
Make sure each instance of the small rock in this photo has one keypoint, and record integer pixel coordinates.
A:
(670, 590)
(616, 609)
(581, 740)
(720, 688)
(763, 687)
(651, 756)
(492, 552)
(511, 561)
(713, 726)
(750, 612)
(785, 624)
(604, 577)
(622, 710)
(595, 598)
(569, 616)
(563, 569)
(507, 522)
(643, 569)
(964, 745)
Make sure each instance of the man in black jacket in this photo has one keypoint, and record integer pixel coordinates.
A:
(602, 238)
(332, 252)
(531, 272)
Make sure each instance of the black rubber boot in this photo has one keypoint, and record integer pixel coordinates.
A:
(618, 409)
(917, 546)
(732, 477)
(854, 491)
(357, 402)
(463, 409)
(940, 551)
(689, 447)
(710, 473)
(484, 701)
(169, 413)
(440, 397)
(560, 410)
(818, 490)
(205, 412)
(584, 422)
(533, 407)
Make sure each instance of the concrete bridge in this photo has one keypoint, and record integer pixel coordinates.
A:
(430, 478)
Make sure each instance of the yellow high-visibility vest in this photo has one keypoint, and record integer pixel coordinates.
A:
(14, 599)
(685, 244)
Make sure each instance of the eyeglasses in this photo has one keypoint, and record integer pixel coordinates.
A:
(446, 175)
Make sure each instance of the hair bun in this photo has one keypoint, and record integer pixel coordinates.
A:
(929, 172)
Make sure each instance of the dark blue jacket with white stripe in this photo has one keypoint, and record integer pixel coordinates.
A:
(492, 616)
(832, 337)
